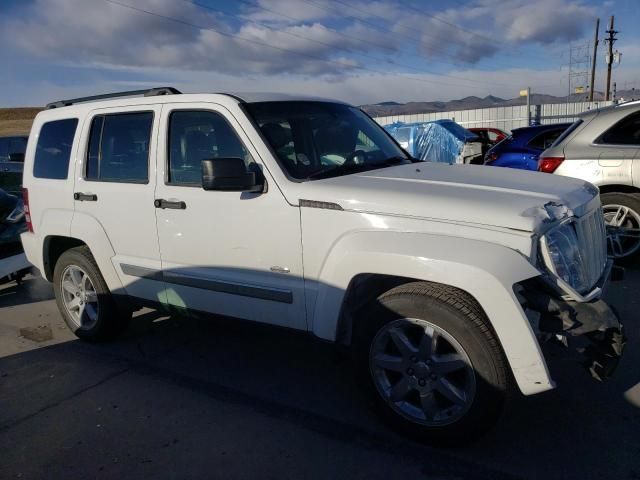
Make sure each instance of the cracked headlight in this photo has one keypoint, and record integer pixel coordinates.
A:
(562, 256)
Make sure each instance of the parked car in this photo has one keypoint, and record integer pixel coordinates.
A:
(13, 263)
(489, 137)
(442, 279)
(523, 147)
(11, 162)
(438, 141)
(603, 147)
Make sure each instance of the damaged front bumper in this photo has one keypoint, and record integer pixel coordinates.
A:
(592, 328)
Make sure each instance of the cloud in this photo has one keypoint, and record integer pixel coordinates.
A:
(542, 21)
(112, 35)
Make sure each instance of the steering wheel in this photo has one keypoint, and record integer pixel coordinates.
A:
(351, 158)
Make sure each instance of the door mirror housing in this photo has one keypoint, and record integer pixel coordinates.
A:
(16, 157)
(229, 174)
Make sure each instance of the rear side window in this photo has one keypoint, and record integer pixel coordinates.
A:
(545, 140)
(54, 149)
(625, 132)
(119, 148)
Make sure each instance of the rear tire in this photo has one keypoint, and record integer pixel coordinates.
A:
(455, 392)
(622, 215)
(83, 298)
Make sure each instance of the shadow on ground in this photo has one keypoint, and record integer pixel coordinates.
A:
(185, 397)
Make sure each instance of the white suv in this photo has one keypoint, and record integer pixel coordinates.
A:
(306, 214)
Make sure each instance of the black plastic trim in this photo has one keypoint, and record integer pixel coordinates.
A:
(222, 286)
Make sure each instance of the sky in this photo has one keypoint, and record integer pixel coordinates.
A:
(352, 50)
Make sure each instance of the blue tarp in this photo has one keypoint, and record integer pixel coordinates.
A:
(437, 141)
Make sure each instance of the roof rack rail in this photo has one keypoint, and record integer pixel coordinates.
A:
(152, 92)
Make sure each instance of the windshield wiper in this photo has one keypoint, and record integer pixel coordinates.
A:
(350, 168)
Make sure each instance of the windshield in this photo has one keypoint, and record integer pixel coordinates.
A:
(319, 139)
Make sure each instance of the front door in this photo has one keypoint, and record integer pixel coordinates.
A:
(115, 187)
(231, 253)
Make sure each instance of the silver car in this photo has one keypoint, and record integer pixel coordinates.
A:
(603, 147)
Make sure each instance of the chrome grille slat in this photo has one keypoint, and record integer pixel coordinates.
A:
(591, 233)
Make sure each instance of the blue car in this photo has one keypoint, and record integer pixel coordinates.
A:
(524, 146)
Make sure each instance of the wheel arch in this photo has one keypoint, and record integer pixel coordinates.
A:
(53, 247)
(486, 272)
(618, 188)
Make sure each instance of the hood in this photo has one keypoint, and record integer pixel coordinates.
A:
(498, 197)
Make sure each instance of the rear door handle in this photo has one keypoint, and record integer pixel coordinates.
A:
(85, 197)
(176, 205)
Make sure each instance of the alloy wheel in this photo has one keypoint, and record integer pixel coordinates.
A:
(422, 372)
(623, 230)
(79, 297)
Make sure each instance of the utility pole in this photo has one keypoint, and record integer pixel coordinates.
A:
(528, 106)
(610, 41)
(593, 65)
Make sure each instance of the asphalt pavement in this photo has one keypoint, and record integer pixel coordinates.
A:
(185, 397)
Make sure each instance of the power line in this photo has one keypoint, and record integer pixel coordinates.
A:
(411, 67)
(231, 35)
(451, 24)
(342, 34)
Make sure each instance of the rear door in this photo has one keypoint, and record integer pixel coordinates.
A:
(116, 187)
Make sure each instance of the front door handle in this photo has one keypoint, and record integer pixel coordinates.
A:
(162, 203)
(85, 197)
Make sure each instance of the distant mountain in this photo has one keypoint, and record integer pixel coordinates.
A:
(472, 102)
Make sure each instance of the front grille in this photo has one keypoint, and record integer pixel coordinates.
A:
(592, 237)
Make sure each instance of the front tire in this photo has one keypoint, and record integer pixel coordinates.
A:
(622, 216)
(83, 298)
(432, 363)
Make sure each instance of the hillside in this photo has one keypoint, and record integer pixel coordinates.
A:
(473, 102)
(17, 121)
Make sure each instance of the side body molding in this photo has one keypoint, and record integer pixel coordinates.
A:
(485, 270)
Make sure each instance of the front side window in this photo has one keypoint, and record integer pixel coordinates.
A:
(119, 148)
(625, 132)
(197, 135)
(320, 139)
(53, 149)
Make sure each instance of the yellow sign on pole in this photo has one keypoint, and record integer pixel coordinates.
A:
(579, 89)
(523, 93)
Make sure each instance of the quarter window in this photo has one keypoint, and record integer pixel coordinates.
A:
(196, 135)
(119, 148)
(53, 149)
(625, 132)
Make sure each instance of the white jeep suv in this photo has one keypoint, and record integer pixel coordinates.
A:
(304, 213)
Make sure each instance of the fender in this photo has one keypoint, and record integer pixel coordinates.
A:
(486, 271)
(87, 228)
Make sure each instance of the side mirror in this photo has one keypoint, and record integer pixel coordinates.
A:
(16, 157)
(229, 174)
